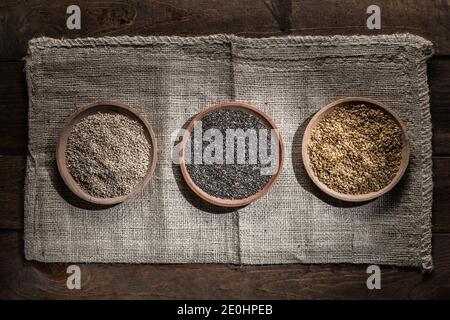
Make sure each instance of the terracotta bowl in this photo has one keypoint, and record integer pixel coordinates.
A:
(228, 202)
(105, 106)
(325, 111)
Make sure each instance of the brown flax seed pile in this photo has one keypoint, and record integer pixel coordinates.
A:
(356, 149)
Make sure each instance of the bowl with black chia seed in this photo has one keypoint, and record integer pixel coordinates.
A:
(231, 154)
(106, 152)
(355, 149)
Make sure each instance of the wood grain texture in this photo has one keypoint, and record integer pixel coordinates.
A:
(21, 279)
(22, 20)
(12, 175)
(12, 171)
(439, 83)
(430, 19)
(441, 194)
(13, 108)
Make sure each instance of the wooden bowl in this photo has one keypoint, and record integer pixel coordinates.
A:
(106, 106)
(325, 111)
(230, 202)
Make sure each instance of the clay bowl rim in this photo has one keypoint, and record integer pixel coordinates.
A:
(111, 106)
(406, 150)
(229, 202)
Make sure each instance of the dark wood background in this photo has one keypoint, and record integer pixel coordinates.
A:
(22, 20)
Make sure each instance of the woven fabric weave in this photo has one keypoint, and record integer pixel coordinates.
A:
(170, 79)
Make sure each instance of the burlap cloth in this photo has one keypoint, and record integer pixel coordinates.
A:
(170, 79)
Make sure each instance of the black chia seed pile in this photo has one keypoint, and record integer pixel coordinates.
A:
(230, 181)
(107, 154)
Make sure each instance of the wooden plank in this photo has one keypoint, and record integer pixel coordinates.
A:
(12, 170)
(14, 106)
(430, 19)
(439, 82)
(196, 17)
(12, 175)
(20, 279)
(441, 192)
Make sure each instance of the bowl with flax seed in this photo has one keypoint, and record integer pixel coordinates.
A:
(355, 149)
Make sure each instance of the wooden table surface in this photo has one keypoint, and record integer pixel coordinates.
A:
(22, 20)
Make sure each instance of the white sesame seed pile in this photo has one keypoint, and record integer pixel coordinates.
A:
(108, 154)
